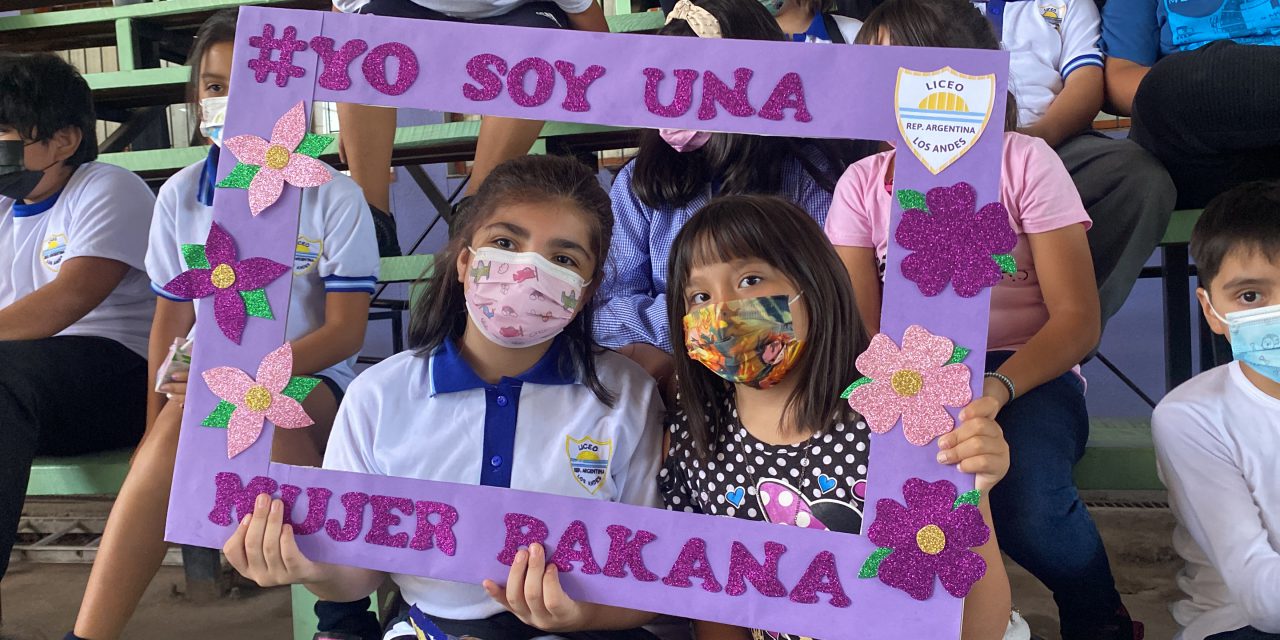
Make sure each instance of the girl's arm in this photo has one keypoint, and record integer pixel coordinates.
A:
(173, 319)
(860, 262)
(716, 631)
(263, 549)
(346, 315)
(987, 607)
(590, 20)
(1065, 269)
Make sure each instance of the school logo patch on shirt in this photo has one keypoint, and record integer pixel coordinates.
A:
(52, 251)
(589, 461)
(1053, 14)
(942, 113)
(306, 254)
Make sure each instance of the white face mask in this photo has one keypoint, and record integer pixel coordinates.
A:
(213, 113)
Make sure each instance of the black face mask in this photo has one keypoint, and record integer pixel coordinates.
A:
(16, 180)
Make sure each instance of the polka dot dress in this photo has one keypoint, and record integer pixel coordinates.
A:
(817, 484)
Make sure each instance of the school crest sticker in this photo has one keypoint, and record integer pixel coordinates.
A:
(306, 253)
(53, 250)
(589, 461)
(942, 113)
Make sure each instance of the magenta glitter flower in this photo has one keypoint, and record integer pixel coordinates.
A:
(953, 244)
(913, 383)
(236, 285)
(290, 156)
(275, 395)
(931, 536)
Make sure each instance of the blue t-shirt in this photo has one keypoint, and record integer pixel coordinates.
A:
(1144, 31)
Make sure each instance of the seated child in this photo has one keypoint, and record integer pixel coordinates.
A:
(333, 276)
(812, 21)
(677, 171)
(74, 303)
(1217, 436)
(1044, 320)
(489, 368)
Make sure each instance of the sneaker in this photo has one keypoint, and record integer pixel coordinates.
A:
(384, 226)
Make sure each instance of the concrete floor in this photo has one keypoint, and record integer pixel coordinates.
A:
(40, 601)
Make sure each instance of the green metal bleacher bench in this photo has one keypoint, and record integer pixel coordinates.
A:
(94, 474)
(1119, 457)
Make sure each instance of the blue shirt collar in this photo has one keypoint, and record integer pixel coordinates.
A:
(817, 29)
(208, 176)
(450, 372)
(21, 210)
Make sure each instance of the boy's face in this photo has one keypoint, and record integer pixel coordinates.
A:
(46, 156)
(1248, 279)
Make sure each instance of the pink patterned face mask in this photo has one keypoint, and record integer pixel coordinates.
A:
(520, 299)
(685, 140)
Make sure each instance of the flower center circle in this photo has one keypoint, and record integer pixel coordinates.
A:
(277, 157)
(258, 398)
(907, 383)
(223, 276)
(931, 539)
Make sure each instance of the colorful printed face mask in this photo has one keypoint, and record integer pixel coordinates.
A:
(748, 341)
(1255, 338)
(520, 299)
(213, 114)
(685, 140)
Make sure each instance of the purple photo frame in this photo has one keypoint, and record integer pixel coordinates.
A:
(798, 580)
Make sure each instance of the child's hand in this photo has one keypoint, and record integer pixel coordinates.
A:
(176, 389)
(264, 550)
(977, 445)
(534, 595)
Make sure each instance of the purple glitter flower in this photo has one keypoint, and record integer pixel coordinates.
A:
(953, 244)
(931, 536)
(225, 279)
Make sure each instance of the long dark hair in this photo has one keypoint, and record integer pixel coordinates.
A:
(749, 227)
(440, 313)
(664, 177)
(218, 28)
(936, 23)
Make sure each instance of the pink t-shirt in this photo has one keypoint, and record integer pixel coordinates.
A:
(1034, 187)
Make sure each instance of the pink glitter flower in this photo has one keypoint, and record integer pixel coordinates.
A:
(953, 244)
(913, 383)
(216, 272)
(288, 157)
(275, 395)
(931, 536)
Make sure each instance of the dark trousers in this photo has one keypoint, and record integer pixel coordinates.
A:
(1129, 197)
(62, 396)
(1212, 116)
(1247, 633)
(507, 626)
(1041, 522)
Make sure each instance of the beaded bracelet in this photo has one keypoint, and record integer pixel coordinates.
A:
(1008, 384)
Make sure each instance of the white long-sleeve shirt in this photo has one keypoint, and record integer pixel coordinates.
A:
(1217, 439)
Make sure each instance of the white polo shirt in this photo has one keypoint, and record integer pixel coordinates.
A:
(336, 251)
(103, 212)
(531, 432)
(1047, 40)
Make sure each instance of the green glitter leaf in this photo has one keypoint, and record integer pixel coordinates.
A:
(221, 415)
(299, 387)
(256, 304)
(313, 144)
(968, 497)
(1007, 263)
(856, 383)
(958, 355)
(912, 200)
(871, 568)
(193, 255)
(240, 177)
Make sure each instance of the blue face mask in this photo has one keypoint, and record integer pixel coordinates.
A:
(1255, 338)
